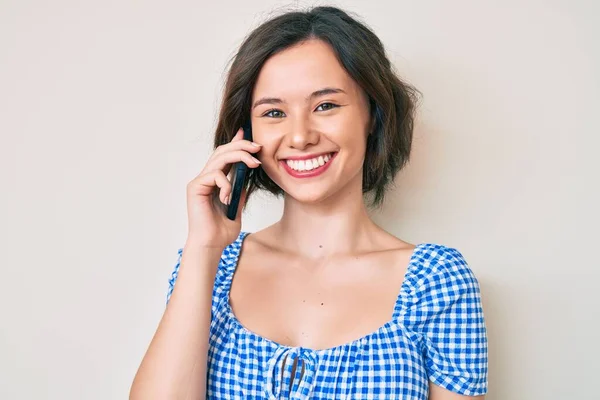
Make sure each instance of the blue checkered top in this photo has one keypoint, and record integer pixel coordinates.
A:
(437, 333)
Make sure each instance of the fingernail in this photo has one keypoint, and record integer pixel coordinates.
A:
(226, 199)
(256, 144)
(256, 159)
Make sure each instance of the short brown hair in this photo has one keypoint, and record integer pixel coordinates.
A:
(361, 53)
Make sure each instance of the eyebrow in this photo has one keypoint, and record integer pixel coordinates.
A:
(317, 93)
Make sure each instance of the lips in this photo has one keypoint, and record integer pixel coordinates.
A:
(307, 167)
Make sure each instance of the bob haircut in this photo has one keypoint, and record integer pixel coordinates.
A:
(362, 55)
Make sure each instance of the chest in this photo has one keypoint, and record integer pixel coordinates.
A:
(316, 305)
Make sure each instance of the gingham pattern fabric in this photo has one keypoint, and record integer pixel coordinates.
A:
(437, 333)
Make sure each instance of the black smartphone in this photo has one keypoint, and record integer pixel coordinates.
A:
(238, 178)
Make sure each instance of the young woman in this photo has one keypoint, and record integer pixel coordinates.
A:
(323, 304)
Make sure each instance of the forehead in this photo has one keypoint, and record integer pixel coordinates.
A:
(302, 69)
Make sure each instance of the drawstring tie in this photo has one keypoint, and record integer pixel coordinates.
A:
(291, 373)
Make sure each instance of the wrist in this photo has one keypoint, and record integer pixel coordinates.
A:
(204, 246)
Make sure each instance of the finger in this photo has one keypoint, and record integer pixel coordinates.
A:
(223, 160)
(246, 145)
(239, 135)
(205, 183)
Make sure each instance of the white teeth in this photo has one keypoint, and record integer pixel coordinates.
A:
(308, 165)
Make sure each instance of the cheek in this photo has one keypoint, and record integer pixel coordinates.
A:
(354, 148)
(265, 133)
(348, 126)
(267, 154)
(265, 138)
(349, 134)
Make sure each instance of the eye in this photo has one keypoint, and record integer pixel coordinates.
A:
(326, 106)
(274, 113)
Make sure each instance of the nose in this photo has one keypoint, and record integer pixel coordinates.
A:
(301, 135)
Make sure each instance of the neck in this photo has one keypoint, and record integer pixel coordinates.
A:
(339, 224)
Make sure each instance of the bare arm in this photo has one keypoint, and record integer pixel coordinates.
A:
(438, 393)
(175, 363)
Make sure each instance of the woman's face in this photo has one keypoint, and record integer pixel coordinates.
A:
(312, 120)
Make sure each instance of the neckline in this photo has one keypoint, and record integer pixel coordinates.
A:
(272, 343)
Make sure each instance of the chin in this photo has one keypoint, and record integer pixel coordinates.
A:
(313, 195)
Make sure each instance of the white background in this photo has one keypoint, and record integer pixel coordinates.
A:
(107, 110)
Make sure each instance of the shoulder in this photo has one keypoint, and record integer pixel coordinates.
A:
(227, 263)
(232, 251)
(437, 267)
(435, 259)
(447, 318)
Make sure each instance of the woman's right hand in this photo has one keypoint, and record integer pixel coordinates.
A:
(208, 226)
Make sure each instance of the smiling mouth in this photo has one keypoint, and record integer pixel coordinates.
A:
(309, 164)
(308, 168)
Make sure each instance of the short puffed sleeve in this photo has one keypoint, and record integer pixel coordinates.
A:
(446, 315)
